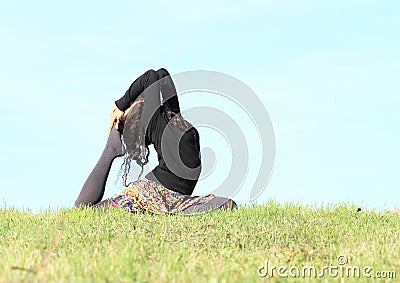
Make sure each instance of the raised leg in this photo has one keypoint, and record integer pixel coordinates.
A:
(93, 189)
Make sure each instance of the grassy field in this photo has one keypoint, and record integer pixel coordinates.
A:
(84, 245)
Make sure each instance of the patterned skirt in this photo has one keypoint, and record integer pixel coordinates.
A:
(149, 196)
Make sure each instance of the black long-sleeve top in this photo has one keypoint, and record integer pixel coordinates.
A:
(178, 150)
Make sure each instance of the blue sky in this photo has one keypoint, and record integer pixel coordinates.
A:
(327, 72)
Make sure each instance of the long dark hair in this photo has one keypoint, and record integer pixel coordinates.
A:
(134, 137)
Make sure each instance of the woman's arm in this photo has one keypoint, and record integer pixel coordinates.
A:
(140, 86)
(117, 115)
(137, 88)
(168, 91)
(164, 84)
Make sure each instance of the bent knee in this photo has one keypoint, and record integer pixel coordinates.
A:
(222, 202)
(229, 204)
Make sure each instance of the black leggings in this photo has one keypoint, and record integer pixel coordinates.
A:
(93, 189)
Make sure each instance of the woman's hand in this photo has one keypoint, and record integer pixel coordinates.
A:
(116, 115)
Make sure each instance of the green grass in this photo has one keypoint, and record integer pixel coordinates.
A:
(84, 245)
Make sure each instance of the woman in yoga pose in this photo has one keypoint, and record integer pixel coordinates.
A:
(143, 120)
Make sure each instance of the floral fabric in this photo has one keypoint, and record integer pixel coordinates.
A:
(150, 196)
